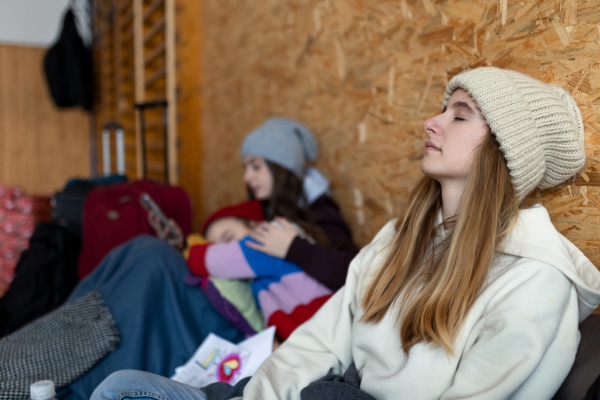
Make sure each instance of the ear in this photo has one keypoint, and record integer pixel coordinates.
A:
(252, 224)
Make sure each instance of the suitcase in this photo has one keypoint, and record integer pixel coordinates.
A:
(68, 204)
(113, 214)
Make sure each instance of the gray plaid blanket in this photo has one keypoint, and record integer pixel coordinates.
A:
(61, 346)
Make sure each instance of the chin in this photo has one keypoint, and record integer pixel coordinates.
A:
(425, 169)
(431, 172)
(261, 196)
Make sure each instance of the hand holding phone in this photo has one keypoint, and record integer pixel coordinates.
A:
(166, 229)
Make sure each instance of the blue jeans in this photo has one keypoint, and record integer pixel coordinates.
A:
(161, 319)
(139, 385)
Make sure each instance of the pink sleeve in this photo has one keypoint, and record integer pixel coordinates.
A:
(227, 260)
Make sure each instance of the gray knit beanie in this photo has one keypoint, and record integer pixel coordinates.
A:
(538, 126)
(284, 142)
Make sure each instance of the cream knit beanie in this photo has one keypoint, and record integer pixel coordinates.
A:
(538, 126)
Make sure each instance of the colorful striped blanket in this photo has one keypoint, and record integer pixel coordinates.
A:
(287, 296)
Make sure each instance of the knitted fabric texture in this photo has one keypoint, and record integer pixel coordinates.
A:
(538, 125)
(62, 346)
(284, 142)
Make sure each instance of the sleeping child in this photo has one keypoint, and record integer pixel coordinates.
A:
(286, 295)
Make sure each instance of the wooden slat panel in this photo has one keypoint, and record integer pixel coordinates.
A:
(154, 53)
(171, 94)
(138, 39)
(156, 27)
(154, 76)
(125, 5)
(40, 146)
(152, 7)
(128, 16)
(143, 73)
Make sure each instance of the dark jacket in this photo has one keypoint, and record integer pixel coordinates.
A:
(327, 264)
(68, 68)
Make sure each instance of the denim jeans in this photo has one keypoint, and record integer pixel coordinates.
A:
(161, 319)
(139, 385)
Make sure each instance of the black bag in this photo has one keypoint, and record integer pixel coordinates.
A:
(44, 277)
(68, 67)
(68, 204)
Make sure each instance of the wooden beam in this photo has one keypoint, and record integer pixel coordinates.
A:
(155, 52)
(127, 17)
(156, 27)
(171, 90)
(151, 8)
(124, 5)
(154, 76)
(138, 52)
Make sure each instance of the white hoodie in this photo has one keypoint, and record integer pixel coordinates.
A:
(518, 341)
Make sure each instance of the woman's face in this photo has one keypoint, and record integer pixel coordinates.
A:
(258, 177)
(454, 135)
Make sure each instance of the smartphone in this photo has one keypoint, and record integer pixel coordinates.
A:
(149, 205)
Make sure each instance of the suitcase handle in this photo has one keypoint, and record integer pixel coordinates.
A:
(120, 143)
(142, 107)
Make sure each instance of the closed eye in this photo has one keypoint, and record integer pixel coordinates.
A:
(226, 236)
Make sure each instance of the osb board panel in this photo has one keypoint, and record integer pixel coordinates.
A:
(40, 146)
(365, 74)
(189, 97)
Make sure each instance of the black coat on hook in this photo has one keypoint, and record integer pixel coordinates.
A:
(68, 68)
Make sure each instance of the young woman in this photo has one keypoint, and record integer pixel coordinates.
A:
(274, 157)
(466, 296)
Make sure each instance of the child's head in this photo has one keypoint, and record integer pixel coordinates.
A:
(233, 222)
(227, 229)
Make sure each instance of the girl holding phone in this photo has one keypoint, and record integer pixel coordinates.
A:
(274, 158)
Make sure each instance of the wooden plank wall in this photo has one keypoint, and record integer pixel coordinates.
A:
(365, 74)
(40, 146)
(121, 80)
(132, 64)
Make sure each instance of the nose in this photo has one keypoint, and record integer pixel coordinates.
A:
(247, 175)
(432, 126)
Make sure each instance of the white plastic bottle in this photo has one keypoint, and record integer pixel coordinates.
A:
(43, 390)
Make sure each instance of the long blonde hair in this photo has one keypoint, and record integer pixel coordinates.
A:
(437, 284)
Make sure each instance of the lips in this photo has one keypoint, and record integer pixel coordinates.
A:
(430, 146)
